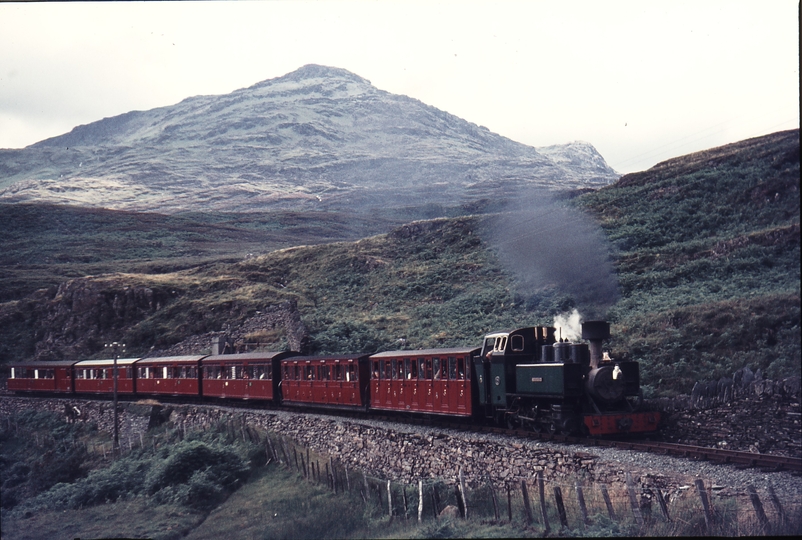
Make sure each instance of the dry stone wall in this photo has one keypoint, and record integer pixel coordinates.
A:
(745, 412)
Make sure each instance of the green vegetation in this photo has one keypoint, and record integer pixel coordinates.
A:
(708, 262)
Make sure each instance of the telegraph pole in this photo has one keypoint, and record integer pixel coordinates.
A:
(115, 349)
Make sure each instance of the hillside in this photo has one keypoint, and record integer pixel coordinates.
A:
(319, 138)
(705, 252)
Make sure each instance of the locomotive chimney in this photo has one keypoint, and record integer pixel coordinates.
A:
(595, 332)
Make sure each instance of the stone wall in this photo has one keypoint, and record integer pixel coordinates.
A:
(745, 412)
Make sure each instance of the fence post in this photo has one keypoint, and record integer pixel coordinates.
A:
(663, 506)
(347, 479)
(303, 466)
(608, 502)
(420, 501)
(366, 496)
(633, 501)
(558, 497)
(272, 450)
(389, 500)
(404, 497)
(580, 498)
(462, 494)
(761, 515)
(776, 503)
(493, 496)
(435, 496)
(542, 493)
(509, 501)
(700, 488)
(527, 506)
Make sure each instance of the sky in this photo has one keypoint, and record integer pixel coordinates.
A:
(641, 80)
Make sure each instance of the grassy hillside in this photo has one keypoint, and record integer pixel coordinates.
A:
(708, 261)
(706, 248)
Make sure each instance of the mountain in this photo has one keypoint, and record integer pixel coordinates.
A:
(319, 138)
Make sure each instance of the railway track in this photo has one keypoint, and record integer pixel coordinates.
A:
(766, 462)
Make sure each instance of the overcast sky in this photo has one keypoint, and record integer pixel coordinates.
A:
(642, 81)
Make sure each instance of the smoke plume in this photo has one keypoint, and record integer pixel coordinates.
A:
(545, 244)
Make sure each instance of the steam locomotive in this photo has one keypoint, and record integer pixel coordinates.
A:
(525, 378)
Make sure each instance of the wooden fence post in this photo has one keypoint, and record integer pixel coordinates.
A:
(633, 501)
(700, 488)
(420, 501)
(775, 501)
(493, 496)
(462, 495)
(608, 502)
(366, 496)
(333, 475)
(435, 498)
(542, 493)
(389, 500)
(558, 497)
(404, 498)
(580, 499)
(347, 479)
(761, 515)
(661, 500)
(527, 506)
(509, 501)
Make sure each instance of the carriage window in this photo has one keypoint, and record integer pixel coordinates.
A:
(375, 374)
(413, 369)
(394, 369)
(383, 369)
(452, 368)
(407, 369)
(338, 372)
(517, 342)
(436, 367)
(421, 368)
(260, 371)
(461, 368)
(428, 375)
(501, 344)
(325, 373)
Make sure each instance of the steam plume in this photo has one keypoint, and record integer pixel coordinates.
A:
(547, 244)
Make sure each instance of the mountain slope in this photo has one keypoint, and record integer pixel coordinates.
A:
(317, 138)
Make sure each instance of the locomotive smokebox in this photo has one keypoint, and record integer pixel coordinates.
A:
(595, 332)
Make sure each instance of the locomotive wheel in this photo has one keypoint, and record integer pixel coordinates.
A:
(551, 428)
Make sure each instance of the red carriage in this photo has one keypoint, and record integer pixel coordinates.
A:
(171, 375)
(41, 377)
(436, 381)
(332, 381)
(252, 375)
(97, 376)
